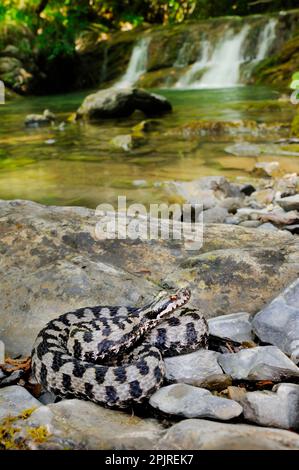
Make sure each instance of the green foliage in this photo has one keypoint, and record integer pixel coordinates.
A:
(57, 23)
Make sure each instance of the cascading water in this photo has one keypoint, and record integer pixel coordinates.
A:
(223, 65)
(220, 64)
(137, 64)
(187, 79)
(266, 39)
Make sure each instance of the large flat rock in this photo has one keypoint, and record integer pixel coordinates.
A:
(51, 262)
(200, 434)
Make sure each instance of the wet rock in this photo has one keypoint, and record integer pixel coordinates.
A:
(128, 142)
(215, 215)
(267, 169)
(278, 322)
(289, 203)
(279, 408)
(14, 400)
(37, 120)
(193, 368)
(117, 103)
(260, 363)
(191, 402)
(201, 434)
(77, 424)
(243, 149)
(235, 326)
(52, 262)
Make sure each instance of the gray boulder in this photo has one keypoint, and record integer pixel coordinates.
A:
(192, 402)
(118, 103)
(260, 363)
(278, 322)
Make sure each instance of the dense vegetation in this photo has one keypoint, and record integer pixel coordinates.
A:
(56, 23)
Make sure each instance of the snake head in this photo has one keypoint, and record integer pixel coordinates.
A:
(166, 303)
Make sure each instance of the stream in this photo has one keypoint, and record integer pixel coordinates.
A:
(75, 163)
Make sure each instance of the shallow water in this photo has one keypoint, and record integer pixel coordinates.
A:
(78, 165)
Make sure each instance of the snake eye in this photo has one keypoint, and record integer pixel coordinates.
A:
(173, 297)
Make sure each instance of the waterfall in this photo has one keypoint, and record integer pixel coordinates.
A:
(266, 39)
(224, 65)
(137, 64)
(189, 78)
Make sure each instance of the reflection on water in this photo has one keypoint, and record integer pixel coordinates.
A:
(77, 165)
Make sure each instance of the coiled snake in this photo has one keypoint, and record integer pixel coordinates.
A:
(114, 355)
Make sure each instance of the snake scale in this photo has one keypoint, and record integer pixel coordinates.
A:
(114, 355)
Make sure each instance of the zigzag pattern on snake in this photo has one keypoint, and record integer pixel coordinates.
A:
(114, 355)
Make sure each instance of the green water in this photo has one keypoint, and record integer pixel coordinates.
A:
(82, 168)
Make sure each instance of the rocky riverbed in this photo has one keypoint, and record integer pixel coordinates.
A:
(242, 392)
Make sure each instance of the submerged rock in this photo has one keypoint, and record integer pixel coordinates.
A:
(244, 149)
(14, 400)
(191, 402)
(260, 363)
(201, 434)
(278, 322)
(194, 368)
(37, 120)
(118, 103)
(279, 408)
(235, 326)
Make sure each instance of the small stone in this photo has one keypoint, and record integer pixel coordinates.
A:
(215, 215)
(193, 368)
(191, 402)
(235, 327)
(46, 398)
(14, 400)
(268, 169)
(201, 434)
(278, 322)
(289, 203)
(279, 408)
(250, 223)
(260, 363)
(232, 220)
(267, 226)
